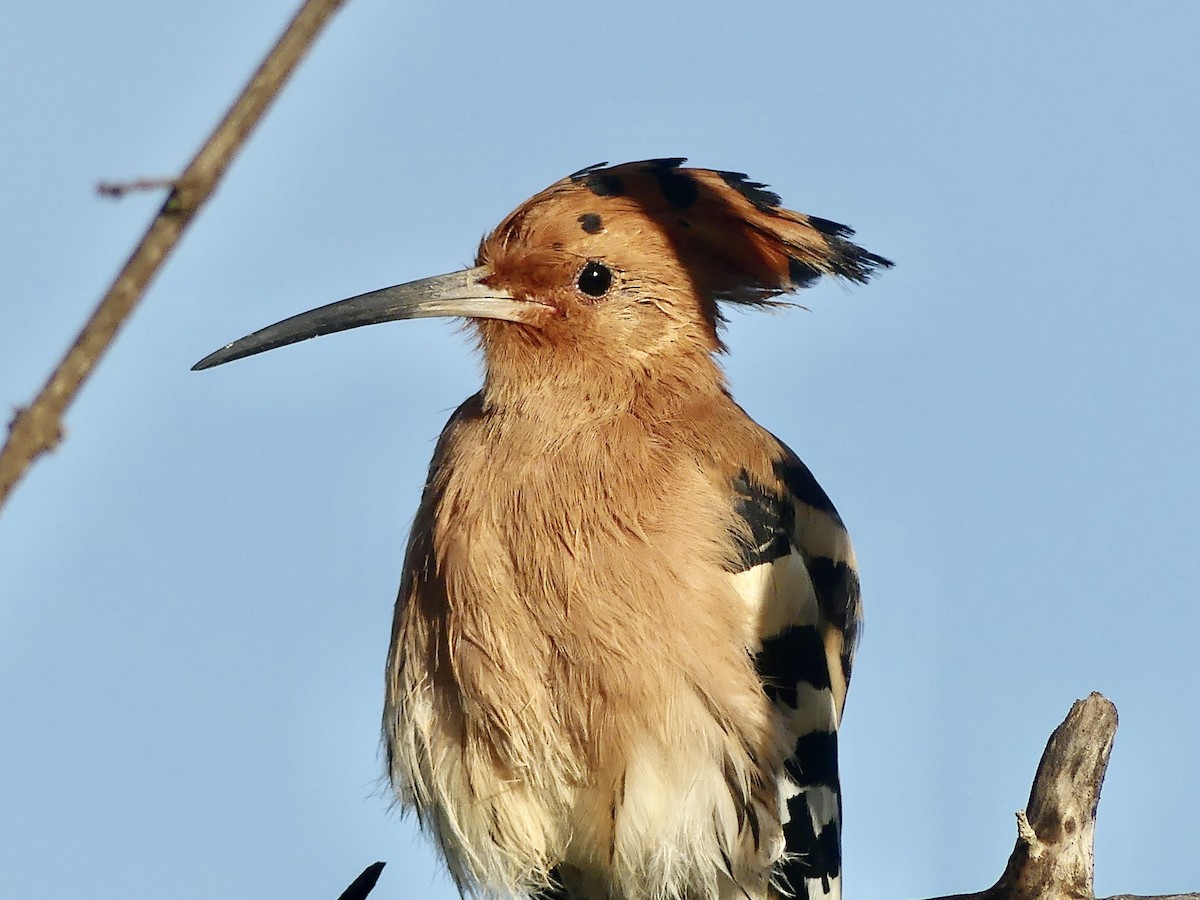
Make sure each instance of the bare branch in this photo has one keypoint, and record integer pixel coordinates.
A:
(37, 429)
(1054, 855)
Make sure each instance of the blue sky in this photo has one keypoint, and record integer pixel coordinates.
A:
(196, 590)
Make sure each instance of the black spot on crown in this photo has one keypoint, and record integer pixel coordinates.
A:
(603, 185)
(599, 181)
(754, 191)
(591, 223)
(680, 189)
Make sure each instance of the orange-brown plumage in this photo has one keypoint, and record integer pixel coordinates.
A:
(677, 251)
(539, 608)
(628, 612)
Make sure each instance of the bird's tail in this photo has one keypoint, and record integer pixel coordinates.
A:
(812, 866)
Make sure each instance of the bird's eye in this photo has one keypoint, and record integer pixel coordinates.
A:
(595, 279)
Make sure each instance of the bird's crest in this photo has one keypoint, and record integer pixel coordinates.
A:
(731, 234)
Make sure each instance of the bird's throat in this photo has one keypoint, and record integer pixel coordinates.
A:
(571, 384)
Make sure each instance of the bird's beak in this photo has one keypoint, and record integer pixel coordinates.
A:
(457, 294)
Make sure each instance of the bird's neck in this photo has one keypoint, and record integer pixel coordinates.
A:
(581, 387)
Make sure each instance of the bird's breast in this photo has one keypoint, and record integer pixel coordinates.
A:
(588, 571)
(572, 663)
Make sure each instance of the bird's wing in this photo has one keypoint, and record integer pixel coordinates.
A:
(795, 568)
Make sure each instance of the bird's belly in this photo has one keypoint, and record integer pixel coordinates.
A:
(622, 802)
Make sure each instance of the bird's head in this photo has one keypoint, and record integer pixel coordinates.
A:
(622, 267)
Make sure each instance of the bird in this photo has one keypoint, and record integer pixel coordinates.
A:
(628, 612)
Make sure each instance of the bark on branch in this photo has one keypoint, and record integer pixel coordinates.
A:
(37, 429)
(1054, 855)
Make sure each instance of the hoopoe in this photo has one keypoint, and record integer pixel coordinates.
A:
(628, 612)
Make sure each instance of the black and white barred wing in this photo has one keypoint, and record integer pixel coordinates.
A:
(796, 569)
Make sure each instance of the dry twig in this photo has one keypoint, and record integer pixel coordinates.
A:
(118, 189)
(37, 429)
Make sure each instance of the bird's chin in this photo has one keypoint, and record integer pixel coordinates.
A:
(533, 314)
(540, 312)
(529, 329)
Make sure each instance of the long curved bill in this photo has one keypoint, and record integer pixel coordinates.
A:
(455, 294)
